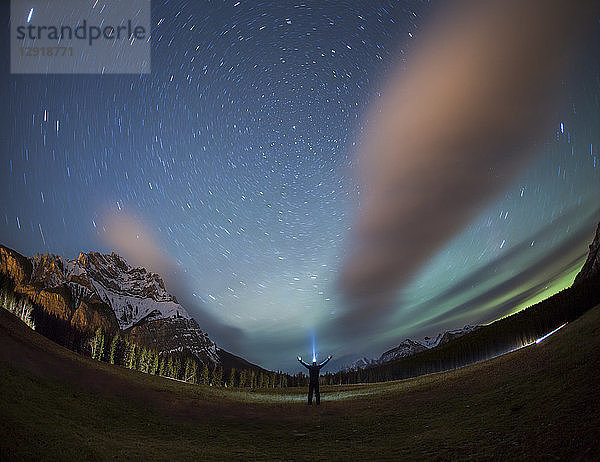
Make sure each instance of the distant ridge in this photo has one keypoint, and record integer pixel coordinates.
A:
(411, 347)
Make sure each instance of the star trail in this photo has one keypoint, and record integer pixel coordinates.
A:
(235, 156)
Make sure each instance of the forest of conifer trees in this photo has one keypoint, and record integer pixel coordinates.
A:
(502, 336)
(118, 350)
(183, 366)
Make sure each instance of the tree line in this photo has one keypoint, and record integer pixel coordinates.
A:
(115, 348)
(180, 365)
(502, 336)
(17, 304)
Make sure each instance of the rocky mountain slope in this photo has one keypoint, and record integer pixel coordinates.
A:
(69, 299)
(97, 290)
(176, 333)
(133, 294)
(591, 268)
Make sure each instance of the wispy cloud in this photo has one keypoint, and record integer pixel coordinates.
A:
(451, 131)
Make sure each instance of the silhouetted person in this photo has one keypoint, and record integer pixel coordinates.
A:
(314, 372)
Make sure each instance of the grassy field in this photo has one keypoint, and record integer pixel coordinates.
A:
(538, 403)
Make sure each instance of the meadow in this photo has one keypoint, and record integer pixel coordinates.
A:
(536, 403)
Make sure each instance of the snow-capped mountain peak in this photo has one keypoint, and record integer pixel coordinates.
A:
(409, 347)
(134, 294)
(102, 291)
(406, 348)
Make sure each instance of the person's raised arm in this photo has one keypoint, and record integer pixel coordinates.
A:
(303, 363)
(326, 361)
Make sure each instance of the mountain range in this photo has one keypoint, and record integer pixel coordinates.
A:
(409, 347)
(104, 291)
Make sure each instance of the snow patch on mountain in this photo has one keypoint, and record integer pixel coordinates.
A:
(131, 309)
(134, 294)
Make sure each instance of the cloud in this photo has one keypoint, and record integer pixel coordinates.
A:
(530, 279)
(451, 131)
(491, 291)
(131, 237)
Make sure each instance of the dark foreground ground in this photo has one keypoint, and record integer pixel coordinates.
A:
(538, 403)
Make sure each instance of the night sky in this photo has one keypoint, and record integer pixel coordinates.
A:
(234, 159)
